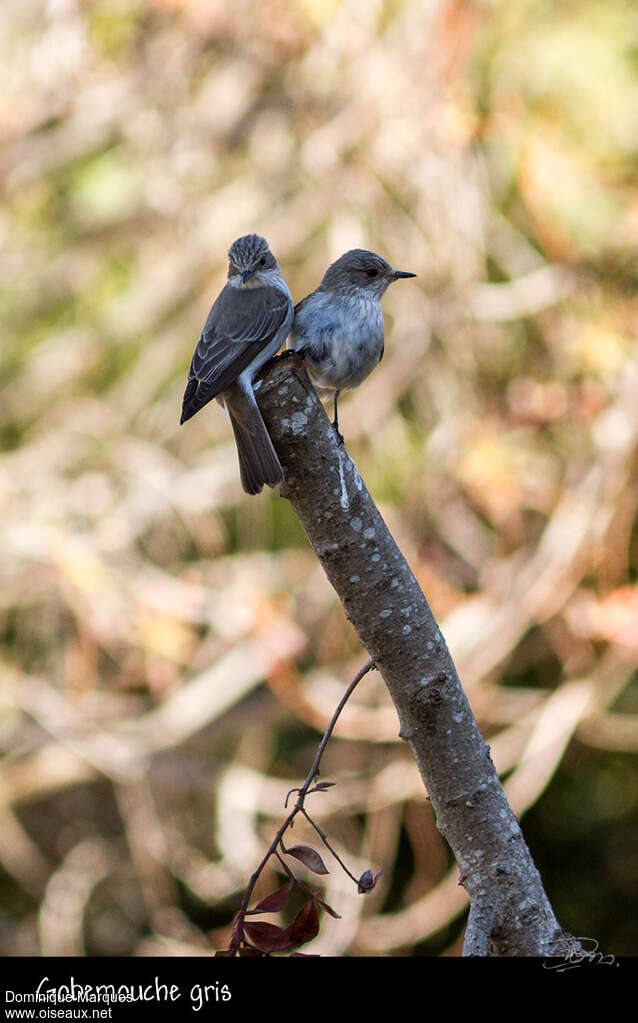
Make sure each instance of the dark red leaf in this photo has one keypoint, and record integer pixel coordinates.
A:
(367, 881)
(309, 857)
(268, 937)
(272, 903)
(251, 953)
(225, 953)
(304, 955)
(305, 926)
(328, 909)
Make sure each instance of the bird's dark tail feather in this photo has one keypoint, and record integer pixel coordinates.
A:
(258, 462)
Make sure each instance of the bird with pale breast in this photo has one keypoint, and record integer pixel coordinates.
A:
(247, 325)
(339, 327)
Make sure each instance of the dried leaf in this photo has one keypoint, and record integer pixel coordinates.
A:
(225, 953)
(324, 905)
(305, 926)
(322, 786)
(308, 856)
(251, 953)
(274, 902)
(367, 881)
(268, 937)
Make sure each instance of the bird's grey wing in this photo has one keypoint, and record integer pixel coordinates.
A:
(303, 302)
(303, 332)
(238, 327)
(315, 326)
(293, 337)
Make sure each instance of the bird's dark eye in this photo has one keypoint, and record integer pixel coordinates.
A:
(372, 272)
(262, 261)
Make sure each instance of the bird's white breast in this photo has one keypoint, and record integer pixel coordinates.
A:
(342, 335)
(261, 279)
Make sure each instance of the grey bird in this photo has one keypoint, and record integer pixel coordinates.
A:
(247, 325)
(339, 327)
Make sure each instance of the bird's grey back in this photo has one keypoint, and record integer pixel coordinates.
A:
(255, 314)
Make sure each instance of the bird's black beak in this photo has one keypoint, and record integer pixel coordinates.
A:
(247, 274)
(397, 274)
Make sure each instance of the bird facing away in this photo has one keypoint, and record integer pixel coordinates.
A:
(247, 325)
(339, 328)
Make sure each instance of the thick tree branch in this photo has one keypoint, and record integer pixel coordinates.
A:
(384, 602)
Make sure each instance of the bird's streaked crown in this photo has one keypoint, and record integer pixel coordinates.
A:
(249, 254)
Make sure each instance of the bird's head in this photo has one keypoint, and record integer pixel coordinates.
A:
(249, 259)
(359, 271)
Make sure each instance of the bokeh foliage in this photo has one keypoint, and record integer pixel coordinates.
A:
(170, 647)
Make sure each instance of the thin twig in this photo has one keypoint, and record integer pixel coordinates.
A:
(238, 935)
(324, 839)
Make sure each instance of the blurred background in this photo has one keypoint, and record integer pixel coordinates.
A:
(170, 649)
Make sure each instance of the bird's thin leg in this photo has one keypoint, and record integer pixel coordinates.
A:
(335, 421)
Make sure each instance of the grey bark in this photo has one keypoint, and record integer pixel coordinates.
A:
(510, 913)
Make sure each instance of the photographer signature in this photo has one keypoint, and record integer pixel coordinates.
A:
(588, 953)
